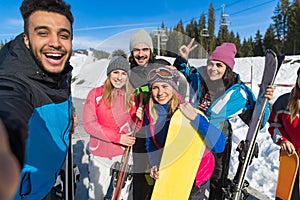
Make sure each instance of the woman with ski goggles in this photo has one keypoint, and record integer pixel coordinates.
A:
(165, 99)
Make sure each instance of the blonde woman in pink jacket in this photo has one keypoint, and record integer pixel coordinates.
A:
(109, 115)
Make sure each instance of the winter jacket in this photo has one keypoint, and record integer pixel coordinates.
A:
(37, 105)
(105, 125)
(156, 136)
(236, 100)
(281, 128)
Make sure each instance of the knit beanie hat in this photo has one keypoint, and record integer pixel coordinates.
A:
(224, 53)
(118, 62)
(164, 74)
(141, 36)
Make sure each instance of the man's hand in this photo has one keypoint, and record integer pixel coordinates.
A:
(75, 121)
(9, 168)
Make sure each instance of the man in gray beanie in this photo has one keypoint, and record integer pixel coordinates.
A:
(141, 36)
(142, 60)
(141, 48)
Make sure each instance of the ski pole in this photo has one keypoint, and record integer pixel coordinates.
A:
(125, 158)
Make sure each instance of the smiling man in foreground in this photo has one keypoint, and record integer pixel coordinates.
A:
(35, 94)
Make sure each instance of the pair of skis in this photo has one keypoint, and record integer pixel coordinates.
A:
(248, 148)
(124, 172)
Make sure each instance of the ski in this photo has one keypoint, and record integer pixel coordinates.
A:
(249, 148)
(123, 171)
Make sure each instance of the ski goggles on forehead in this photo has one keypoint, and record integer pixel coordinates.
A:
(160, 72)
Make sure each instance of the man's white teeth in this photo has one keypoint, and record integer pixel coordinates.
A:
(53, 55)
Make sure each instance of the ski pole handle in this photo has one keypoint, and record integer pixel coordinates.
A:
(140, 105)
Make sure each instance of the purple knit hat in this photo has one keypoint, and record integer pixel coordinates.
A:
(224, 53)
(164, 74)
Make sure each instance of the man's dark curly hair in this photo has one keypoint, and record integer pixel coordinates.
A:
(57, 6)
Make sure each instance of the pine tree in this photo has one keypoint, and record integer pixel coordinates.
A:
(269, 40)
(211, 28)
(293, 34)
(247, 48)
(280, 21)
(191, 29)
(175, 39)
(258, 47)
(277, 21)
(238, 45)
(192, 32)
(231, 37)
(223, 35)
(203, 37)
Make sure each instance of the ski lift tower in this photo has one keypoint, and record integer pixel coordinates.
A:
(162, 38)
(224, 16)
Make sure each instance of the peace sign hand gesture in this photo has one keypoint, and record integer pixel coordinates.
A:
(184, 50)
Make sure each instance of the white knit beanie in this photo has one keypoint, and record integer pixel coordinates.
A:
(141, 36)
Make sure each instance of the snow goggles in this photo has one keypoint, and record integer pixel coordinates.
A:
(162, 73)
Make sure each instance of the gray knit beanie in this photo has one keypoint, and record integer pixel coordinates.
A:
(141, 36)
(118, 62)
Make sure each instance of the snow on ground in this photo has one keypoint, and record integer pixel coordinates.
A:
(262, 173)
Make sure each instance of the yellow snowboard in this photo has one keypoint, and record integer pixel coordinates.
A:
(288, 168)
(181, 157)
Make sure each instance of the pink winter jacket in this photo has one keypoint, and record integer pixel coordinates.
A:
(206, 168)
(105, 125)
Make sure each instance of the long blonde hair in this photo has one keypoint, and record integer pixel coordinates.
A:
(294, 100)
(109, 94)
(173, 105)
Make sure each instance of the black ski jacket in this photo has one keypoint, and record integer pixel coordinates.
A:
(36, 109)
